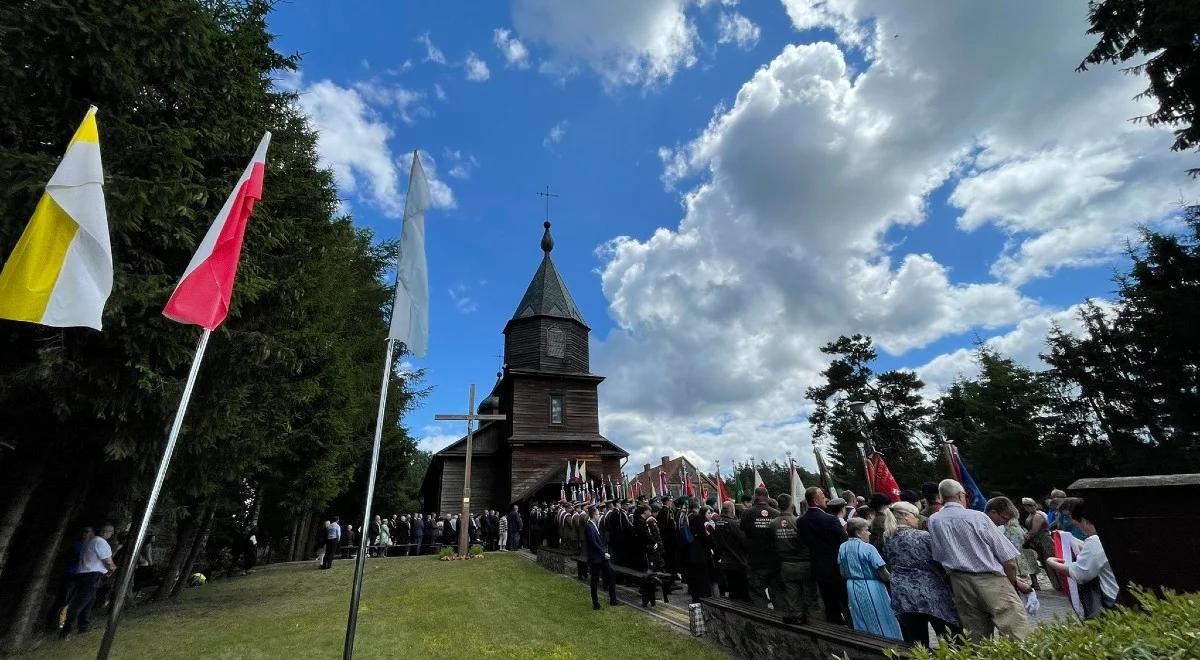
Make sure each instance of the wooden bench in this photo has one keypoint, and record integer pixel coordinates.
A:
(640, 578)
(725, 623)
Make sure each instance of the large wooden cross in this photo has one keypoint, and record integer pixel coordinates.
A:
(464, 522)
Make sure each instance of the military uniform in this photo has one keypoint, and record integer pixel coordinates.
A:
(730, 545)
(763, 563)
(797, 600)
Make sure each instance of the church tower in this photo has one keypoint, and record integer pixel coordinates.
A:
(549, 395)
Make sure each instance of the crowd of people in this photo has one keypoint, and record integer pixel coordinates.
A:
(894, 569)
(418, 534)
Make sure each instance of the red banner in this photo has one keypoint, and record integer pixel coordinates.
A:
(881, 477)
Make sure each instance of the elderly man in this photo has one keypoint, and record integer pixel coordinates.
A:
(982, 566)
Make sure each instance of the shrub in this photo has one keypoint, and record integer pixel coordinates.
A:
(475, 550)
(1167, 627)
(445, 553)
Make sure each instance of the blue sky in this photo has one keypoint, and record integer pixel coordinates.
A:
(738, 183)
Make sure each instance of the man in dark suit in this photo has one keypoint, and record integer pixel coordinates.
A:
(824, 534)
(514, 529)
(598, 558)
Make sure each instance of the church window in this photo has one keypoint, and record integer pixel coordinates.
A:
(556, 342)
(556, 409)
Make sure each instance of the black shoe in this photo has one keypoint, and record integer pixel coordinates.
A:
(615, 603)
(595, 606)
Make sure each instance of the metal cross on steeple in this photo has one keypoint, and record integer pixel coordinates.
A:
(547, 194)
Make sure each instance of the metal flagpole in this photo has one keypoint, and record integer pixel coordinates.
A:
(361, 560)
(114, 615)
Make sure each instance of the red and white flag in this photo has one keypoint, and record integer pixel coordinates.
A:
(1064, 549)
(758, 480)
(203, 294)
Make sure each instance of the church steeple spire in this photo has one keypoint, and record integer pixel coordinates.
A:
(547, 239)
(547, 294)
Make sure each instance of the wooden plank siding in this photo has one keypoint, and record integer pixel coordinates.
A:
(484, 478)
(530, 465)
(531, 407)
(526, 345)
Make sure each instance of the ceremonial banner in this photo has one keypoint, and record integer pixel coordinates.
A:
(721, 494)
(204, 292)
(410, 313)
(662, 483)
(60, 273)
(758, 480)
(977, 500)
(881, 477)
(826, 476)
(797, 487)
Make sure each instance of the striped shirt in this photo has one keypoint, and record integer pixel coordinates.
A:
(968, 541)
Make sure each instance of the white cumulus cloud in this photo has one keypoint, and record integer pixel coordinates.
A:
(556, 133)
(477, 69)
(354, 142)
(515, 53)
(625, 42)
(737, 29)
(791, 195)
(432, 52)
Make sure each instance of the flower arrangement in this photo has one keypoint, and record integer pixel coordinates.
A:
(448, 554)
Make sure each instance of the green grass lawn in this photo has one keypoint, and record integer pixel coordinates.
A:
(499, 607)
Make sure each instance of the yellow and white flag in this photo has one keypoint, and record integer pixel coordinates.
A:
(60, 273)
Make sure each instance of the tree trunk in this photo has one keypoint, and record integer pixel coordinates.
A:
(198, 544)
(22, 492)
(252, 519)
(183, 547)
(295, 533)
(29, 608)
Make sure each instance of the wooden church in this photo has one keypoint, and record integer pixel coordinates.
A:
(548, 394)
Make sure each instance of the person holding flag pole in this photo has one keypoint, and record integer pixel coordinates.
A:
(201, 298)
(410, 327)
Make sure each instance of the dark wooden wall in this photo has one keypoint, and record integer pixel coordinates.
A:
(529, 465)
(484, 476)
(525, 345)
(531, 407)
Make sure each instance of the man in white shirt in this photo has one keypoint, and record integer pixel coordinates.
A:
(1090, 561)
(982, 566)
(333, 538)
(95, 561)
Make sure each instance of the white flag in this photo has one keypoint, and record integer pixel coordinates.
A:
(410, 312)
(797, 488)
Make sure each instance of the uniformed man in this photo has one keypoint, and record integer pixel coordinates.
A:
(798, 599)
(670, 535)
(729, 544)
(762, 562)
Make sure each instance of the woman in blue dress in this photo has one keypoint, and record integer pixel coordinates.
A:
(866, 575)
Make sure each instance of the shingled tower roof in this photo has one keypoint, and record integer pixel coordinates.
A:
(547, 294)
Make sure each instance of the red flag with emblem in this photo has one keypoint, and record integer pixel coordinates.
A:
(881, 477)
